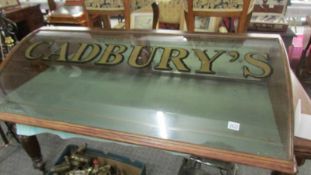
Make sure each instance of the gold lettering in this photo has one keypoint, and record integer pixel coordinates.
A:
(141, 56)
(31, 48)
(176, 55)
(164, 62)
(235, 55)
(81, 57)
(206, 61)
(259, 62)
(113, 55)
(61, 54)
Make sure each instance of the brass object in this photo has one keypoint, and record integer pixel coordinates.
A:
(80, 158)
(78, 163)
(9, 41)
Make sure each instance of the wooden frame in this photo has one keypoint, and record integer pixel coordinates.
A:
(174, 146)
(287, 166)
(241, 15)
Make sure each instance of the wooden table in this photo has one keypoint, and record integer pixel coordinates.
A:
(27, 17)
(302, 147)
(68, 15)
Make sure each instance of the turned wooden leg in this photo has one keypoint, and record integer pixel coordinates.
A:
(3, 136)
(300, 161)
(12, 130)
(32, 148)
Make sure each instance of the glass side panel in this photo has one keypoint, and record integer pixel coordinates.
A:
(222, 93)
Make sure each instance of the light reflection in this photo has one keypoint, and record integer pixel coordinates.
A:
(162, 125)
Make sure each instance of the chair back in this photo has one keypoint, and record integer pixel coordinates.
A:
(239, 9)
(168, 14)
(103, 9)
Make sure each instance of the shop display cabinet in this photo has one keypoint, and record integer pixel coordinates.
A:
(224, 97)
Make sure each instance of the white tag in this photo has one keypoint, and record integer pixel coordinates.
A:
(271, 6)
(234, 126)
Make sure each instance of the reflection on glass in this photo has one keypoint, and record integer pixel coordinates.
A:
(162, 125)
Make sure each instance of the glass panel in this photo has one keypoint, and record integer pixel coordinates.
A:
(227, 93)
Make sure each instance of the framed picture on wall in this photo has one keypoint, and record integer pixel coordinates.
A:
(141, 20)
(207, 24)
(8, 3)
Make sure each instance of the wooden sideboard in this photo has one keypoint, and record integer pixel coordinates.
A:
(68, 15)
(27, 17)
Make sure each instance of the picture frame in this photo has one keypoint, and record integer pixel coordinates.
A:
(141, 20)
(207, 24)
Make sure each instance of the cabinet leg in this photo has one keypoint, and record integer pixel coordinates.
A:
(32, 148)
(300, 161)
(3, 136)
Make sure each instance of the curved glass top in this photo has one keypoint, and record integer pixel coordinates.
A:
(229, 93)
